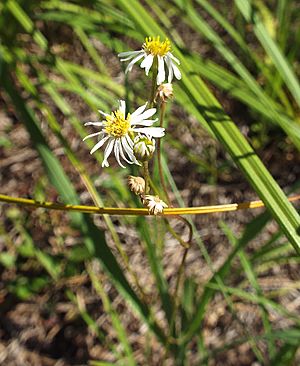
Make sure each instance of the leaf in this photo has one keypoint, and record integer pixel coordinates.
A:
(274, 52)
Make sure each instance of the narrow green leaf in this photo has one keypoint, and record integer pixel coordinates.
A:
(116, 322)
(252, 278)
(237, 88)
(251, 231)
(281, 63)
(156, 266)
(286, 355)
(256, 299)
(199, 24)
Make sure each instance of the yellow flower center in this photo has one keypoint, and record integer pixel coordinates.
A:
(155, 47)
(116, 124)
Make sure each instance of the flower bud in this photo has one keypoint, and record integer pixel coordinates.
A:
(164, 92)
(143, 148)
(136, 184)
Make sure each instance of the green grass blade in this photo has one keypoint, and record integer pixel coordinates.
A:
(251, 231)
(290, 335)
(271, 48)
(283, 16)
(260, 300)
(26, 22)
(235, 35)
(238, 89)
(286, 355)
(200, 25)
(156, 266)
(116, 322)
(252, 278)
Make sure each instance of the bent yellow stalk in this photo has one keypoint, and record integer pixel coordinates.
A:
(137, 211)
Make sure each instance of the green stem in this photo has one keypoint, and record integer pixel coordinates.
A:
(185, 244)
(158, 149)
(153, 85)
(146, 176)
(176, 297)
(164, 186)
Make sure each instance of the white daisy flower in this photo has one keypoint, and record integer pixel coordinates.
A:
(153, 47)
(118, 131)
(154, 204)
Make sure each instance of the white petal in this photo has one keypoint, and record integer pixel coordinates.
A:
(129, 141)
(117, 152)
(92, 135)
(131, 63)
(147, 122)
(139, 110)
(147, 63)
(122, 152)
(107, 152)
(176, 71)
(170, 69)
(173, 58)
(94, 124)
(161, 70)
(122, 106)
(99, 144)
(103, 113)
(128, 149)
(127, 58)
(129, 53)
(141, 117)
(151, 131)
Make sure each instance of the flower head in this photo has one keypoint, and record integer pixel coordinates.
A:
(164, 92)
(143, 148)
(155, 47)
(136, 184)
(154, 204)
(154, 50)
(118, 130)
